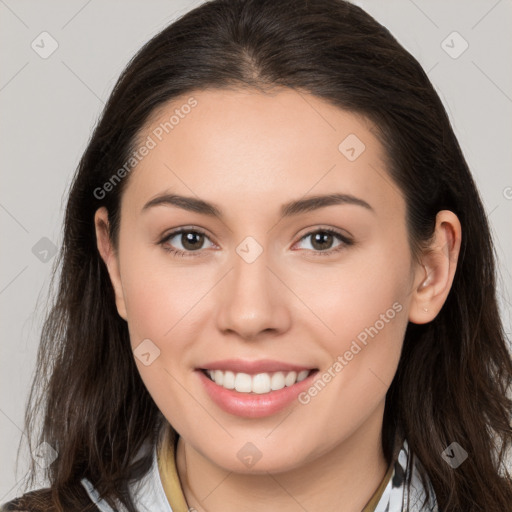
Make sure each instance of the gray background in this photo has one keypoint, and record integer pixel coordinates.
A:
(49, 107)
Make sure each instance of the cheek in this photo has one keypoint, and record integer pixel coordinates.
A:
(165, 307)
(159, 296)
(367, 292)
(363, 358)
(363, 327)
(160, 302)
(362, 311)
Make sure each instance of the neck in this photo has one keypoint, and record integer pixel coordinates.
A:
(347, 476)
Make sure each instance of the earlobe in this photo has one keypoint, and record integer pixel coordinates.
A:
(109, 257)
(434, 276)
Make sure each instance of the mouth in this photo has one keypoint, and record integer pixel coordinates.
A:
(260, 383)
(255, 395)
(254, 388)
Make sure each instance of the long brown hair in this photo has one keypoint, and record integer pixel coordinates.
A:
(455, 372)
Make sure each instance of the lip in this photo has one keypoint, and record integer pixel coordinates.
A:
(253, 405)
(253, 367)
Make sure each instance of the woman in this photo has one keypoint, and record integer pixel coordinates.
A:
(277, 287)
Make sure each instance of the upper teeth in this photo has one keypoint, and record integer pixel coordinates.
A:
(260, 383)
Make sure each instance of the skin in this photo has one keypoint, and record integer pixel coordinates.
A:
(249, 153)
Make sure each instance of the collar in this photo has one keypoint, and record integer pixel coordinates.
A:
(176, 498)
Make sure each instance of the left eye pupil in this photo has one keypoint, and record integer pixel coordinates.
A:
(192, 241)
(320, 238)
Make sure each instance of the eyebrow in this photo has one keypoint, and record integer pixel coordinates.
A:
(290, 209)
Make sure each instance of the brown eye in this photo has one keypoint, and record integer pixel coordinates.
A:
(185, 242)
(323, 241)
(191, 240)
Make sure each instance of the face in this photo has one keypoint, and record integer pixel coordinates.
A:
(311, 296)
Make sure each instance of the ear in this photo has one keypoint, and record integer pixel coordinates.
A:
(434, 275)
(109, 256)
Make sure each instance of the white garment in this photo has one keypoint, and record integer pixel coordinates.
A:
(395, 495)
(149, 494)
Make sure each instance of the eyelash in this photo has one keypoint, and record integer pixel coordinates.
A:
(346, 242)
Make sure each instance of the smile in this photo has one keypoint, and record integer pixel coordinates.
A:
(260, 383)
(254, 389)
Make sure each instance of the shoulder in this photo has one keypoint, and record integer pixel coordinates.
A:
(41, 500)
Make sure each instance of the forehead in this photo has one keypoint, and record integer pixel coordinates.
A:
(240, 147)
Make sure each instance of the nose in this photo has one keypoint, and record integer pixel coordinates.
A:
(252, 301)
